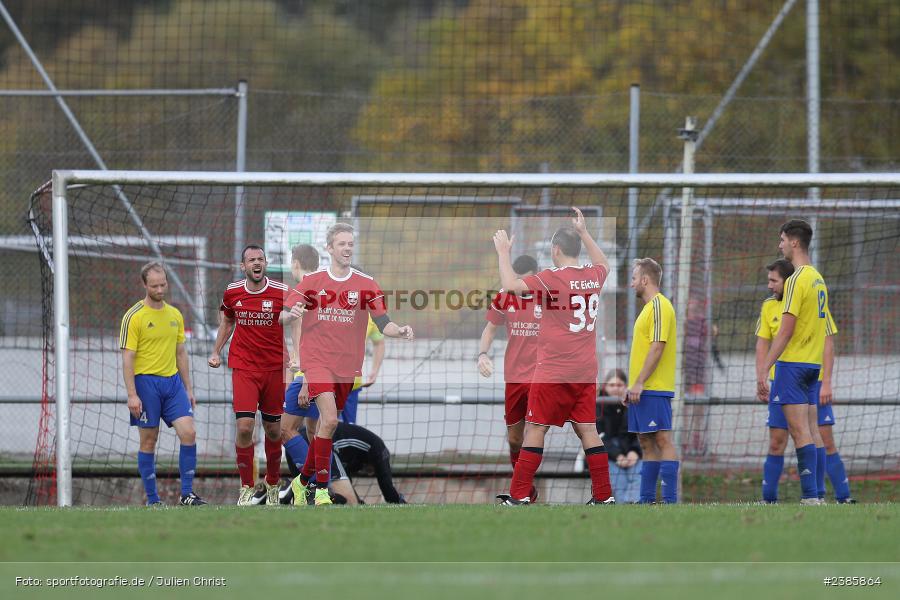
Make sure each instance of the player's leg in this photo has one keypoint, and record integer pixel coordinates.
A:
(515, 435)
(527, 465)
(597, 461)
(790, 390)
(668, 466)
(148, 432)
(178, 413)
(514, 409)
(813, 415)
(834, 465)
(348, 414)
(774, 463)
(245, 403)
(271, 407)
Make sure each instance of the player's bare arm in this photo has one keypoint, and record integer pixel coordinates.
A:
(633, 395)
(788, 323)
(378, 349)
(485, 365)
(404, 332)
(183, 362)
(289, 316)
(825, 393)
(508, 279)
(598, 257)
(134, 401)
(303, 395)
(226, 328)
(762, 350)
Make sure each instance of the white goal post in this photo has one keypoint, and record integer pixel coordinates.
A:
(62, 179)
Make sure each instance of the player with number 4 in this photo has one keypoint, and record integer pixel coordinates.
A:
(564, 383)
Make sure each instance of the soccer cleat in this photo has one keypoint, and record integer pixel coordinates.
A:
(157, 504)
(533, 496)
(507, 500)
(847, 501)
(259, 495)
(810, 501)
(272, 494)
(246, 496)
(322, 497)
(285, 493)
(302, 493)
(593, 501)
(192, 499)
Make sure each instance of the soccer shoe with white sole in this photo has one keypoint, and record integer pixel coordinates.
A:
(157, 504)
(245, 497)
(593, 501)
(322, 498)
(303, 493)
(272, 494)
(847, 501)
(192, 499)
(285, 493)
(259, 495)
(810, 502)
(507, 500)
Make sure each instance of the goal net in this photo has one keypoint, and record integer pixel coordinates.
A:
(427, 241)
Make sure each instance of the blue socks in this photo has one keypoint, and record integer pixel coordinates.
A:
(147, 469)
(187, 465)
(772, 469)
(668, 472)
(296, 449)
(820, 471)
(649, 473)
(806, 467)
(838, 476)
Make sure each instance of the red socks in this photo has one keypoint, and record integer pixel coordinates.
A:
(245, 465)
(323, 461)
(598, 465)
(523, 474)
(273, 461)
(309, 465)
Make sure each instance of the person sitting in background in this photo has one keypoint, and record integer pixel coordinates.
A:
(622, 446)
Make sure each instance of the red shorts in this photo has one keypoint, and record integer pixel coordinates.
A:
(322, 380)
(556, 403)
(516, 402)
(258, 390)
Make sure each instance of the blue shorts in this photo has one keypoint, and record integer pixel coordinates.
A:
(653, 413)
(795, 383)
(776, 418)
(161, 397)
(291, 407)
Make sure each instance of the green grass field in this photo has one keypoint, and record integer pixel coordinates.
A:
(454, 551)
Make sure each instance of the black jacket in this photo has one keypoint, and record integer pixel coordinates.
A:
(612, 425)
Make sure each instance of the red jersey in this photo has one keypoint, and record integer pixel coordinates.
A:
(337, 316)
(258, 341)
(570, 297)
(522, 318)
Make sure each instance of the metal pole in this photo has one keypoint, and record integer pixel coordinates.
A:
(812, 108)
(634, 121)
(682, 294)
(79, 131)
(61, 335)
(240, 166)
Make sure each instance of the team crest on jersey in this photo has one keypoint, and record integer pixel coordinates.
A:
(352, 298)
(538, 311)
(267, 305)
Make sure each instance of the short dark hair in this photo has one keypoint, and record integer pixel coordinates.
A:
(251, 247)
(650, 268)
(152, 266)
(784, 267)
(525, 264)
(800, 230)
(568, 240)
(307, 256)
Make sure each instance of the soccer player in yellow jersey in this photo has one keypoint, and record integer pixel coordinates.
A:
(156, 370)
(797, 352)
(651, 385)
(766, 328)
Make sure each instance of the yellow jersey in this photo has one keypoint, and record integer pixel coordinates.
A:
(372, 334)
(770, 322)
(655, 323)
(153, 335)
(806, 297)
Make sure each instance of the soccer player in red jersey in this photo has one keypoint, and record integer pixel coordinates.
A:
(564, 384)
(338, 301)
(253, 309)
(521, 316)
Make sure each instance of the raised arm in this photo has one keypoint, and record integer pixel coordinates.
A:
(509, 281)
(598, 258)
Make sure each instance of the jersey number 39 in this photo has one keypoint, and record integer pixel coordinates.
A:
(580, 304)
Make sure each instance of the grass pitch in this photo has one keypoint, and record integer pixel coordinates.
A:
(685, 551)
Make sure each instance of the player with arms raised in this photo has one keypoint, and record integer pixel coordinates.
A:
(253, 310)
(338, 302)
(797, 352)
(521, 316)
(564, 383)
